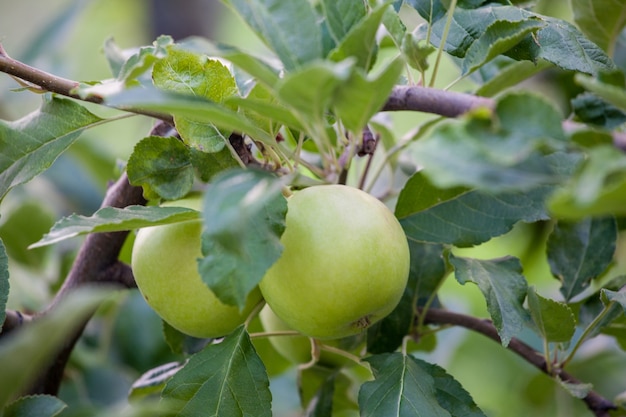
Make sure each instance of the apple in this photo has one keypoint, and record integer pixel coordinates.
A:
(344, 265)
(297, 348)
(164, 263)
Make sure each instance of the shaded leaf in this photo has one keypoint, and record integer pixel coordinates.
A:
(289, 28)
(598, 188)
(32, 347)
(325, 391)
(600, 20)
(614, 94)
(401, 387)
(181, 343)
(504, 288)
(554, 320)
(244, 214)
(462, 217)
(153, 381)
(22, 226)
(578, 390)
(591, 109)
(4, 282)
(224, 379)
(580, 251)
(510, 75)
(342, 15)
(161, 166)
(207, 165)
(615, 296)
(30, 145)
(113, 219)
(35, 406)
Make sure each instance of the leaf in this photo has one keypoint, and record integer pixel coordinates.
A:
(416, 51)
(498, 38)
(30, 145)
(580, 251)
(504, 153)
(598, 188)
(360, 42)
(161, 166)
(244, 214)
(289, 28)
(401, 387)
(224, 379)
(325, 391)
(510, 75)
(207, 165)
(589, 108)
(181, 343)
(554, 320)
(188, 106)
(35, 406)
(600, 20)
(462, 217)
(22, 226)
(358, 99)
(140, 62)
(4, 283)
(614, 94)
(504, 288)
(578, 390)
(153, 381)
(341, 16)
(32, 347)
(113, 219)
(615, 296)
(427, 270)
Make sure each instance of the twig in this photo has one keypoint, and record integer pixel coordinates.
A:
(599, 405)
(432, 100)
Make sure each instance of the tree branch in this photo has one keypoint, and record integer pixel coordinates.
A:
(599, 405)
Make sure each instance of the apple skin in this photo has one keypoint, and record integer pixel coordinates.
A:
(344, 266)
(164, 262)
(297, 349)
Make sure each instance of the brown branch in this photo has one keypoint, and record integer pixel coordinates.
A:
(13, 320)
(96, 263)
(432, 100)
(599, 405)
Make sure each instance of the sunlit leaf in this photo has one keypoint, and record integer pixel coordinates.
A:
(554, 320)
(244, 214)
(112, 219)
(289, 28)
(30, 145)
(224, 379)
(581, 251)
(35, 406)
(504, 288)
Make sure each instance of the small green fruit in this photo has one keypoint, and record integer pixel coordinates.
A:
(344, 265)
(164, 262)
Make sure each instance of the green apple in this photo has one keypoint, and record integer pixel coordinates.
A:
(344, 266)
(297, 348)
(164, 262)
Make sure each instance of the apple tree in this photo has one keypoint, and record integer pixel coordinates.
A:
(486, 137)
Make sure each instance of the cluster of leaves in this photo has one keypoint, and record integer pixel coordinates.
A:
(303, 107)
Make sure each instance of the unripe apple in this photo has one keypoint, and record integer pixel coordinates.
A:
(297, 348)
(164, 262)
(344, 265)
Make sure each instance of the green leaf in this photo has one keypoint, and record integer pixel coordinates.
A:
(139, 62)
(358, 99)
(581, 251)
(113, 219)
(598, 188)
(342, 15)
(22, 226)
(244, 214)
(153, 381)
(416, 51)
(161, 165)
(325, 391)
(600, 20)
(401, 387)
(505, 153)
(504, 288)
(207, 165)
(554, 320)
(181, 343)
(31, 348)
(35, 406)
(224, 379)
(289, 28)
(4, 283)
(589, 108)
(428, 269)
(498, 38)
(615, 296)
(578, 390)
(614, 94)
(511, 75)
(360, 42)
(188, 106)
(30, 145)
(462, 217)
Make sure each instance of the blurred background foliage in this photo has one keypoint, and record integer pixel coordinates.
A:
(65, 37)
